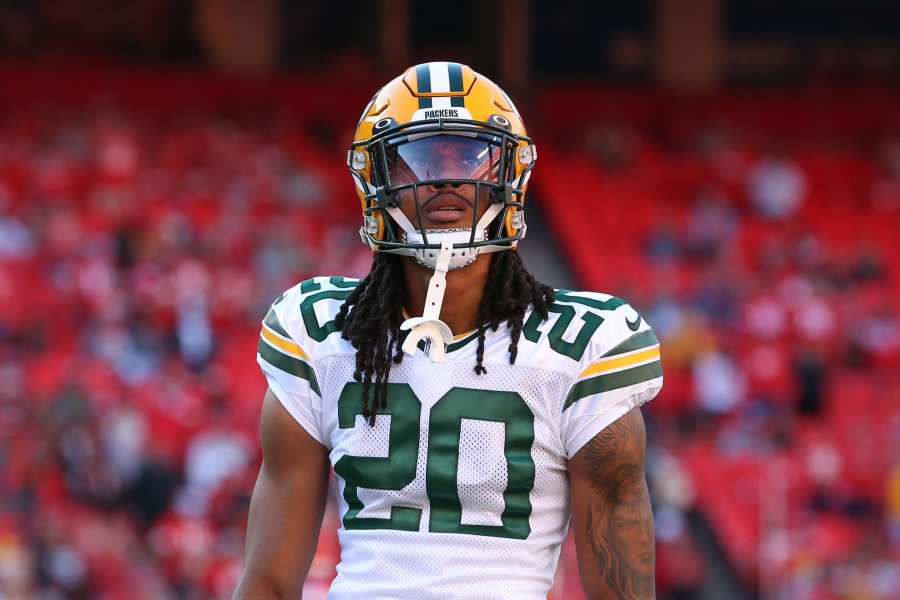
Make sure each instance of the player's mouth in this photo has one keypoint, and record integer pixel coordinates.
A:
(447, 208)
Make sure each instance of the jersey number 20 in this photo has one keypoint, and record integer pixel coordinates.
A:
(398, 469)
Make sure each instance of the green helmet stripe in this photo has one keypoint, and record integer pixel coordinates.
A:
(423, 84)
(455, 75)
(456, 84)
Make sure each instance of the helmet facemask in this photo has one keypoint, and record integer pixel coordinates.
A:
(415, 159)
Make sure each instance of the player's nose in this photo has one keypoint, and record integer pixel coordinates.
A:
(442, 185)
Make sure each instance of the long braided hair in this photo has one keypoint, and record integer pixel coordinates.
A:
(373, 324)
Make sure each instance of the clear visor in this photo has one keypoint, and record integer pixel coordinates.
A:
(443, 157)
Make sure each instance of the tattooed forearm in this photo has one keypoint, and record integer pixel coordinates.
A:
(613, 517)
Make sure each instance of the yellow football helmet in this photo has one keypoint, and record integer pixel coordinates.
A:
(392, 150)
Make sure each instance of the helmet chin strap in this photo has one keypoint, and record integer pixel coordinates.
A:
(429, 326)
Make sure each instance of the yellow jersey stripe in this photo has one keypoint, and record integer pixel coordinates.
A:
(456, 338)
(617, 362)
(283, 344)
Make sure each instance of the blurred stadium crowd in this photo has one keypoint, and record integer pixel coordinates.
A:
(139, 249)
(137, 255)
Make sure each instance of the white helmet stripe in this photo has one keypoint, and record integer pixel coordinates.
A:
(440, 77)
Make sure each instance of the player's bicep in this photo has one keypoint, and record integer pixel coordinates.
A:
(286, 508)
(611, 514)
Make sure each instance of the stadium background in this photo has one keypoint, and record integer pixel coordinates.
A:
(167, 168)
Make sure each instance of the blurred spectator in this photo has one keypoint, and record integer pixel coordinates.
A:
(718, 381)
(16, 240)
(662, 243)
(868, 265)
(776, 187)
(213, 456)
(711, 226)
(765, 316)
(877, 333)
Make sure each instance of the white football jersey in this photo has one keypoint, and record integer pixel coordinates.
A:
(459, 490)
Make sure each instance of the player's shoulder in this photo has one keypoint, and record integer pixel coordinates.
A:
(587, 327)
(305, 313)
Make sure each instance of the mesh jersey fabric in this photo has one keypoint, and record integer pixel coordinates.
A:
(459, 490)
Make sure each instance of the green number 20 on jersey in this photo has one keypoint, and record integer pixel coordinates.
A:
(398, 469)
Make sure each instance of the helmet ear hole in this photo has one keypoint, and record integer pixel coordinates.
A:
(500, 121)
(384, 124)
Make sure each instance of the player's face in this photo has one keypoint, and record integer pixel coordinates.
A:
(444, 205)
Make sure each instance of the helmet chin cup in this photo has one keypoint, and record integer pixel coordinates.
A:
(463, 248)
(459, 257)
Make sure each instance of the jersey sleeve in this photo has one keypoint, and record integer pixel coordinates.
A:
(289, 369)
(621, 369)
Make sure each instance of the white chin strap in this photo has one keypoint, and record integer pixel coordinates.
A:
(429, 326)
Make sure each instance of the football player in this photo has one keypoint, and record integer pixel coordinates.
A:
(467, 410)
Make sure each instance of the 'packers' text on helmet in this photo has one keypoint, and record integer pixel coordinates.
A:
(394, 152)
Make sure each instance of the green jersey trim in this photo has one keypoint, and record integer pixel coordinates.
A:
(288, 364)
(613, 381)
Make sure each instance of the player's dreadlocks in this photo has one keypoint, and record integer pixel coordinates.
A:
(373, 326)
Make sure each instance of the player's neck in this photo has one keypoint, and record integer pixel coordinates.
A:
(461, 298)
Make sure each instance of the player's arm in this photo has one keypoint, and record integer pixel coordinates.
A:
(286, 508)
(611, 514)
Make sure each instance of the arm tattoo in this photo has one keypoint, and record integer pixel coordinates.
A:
(619, 521)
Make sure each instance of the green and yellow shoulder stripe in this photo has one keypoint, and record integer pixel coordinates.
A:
(634, 361)
(277, 350)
